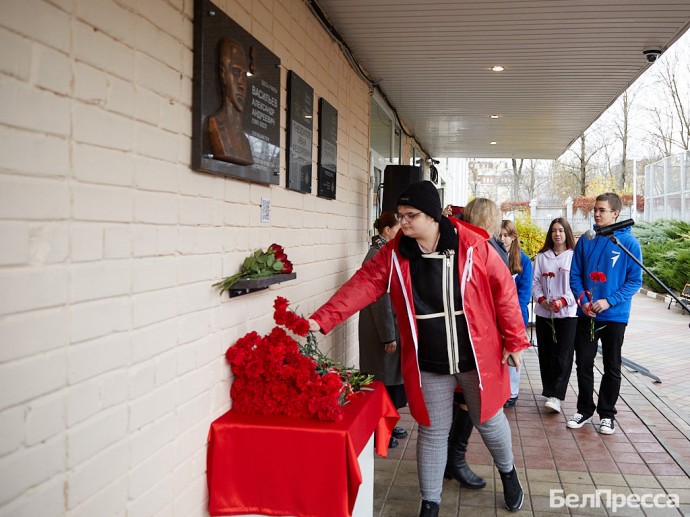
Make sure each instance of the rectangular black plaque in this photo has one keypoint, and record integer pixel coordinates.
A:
(236, 100)
(300, 124)
(328, 150)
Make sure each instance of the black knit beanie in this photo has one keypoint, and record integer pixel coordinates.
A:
(423, 196)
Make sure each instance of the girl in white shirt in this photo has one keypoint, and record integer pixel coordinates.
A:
(556, 311)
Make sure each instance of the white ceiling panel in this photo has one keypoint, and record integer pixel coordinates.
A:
(565, 63)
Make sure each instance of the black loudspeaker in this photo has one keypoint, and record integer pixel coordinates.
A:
(396, 178)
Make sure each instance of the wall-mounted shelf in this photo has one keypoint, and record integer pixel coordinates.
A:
(247, 286)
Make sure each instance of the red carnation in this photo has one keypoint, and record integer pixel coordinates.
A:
(301, 327)
(597, 276)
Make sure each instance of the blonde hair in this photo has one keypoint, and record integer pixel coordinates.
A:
(484, 213)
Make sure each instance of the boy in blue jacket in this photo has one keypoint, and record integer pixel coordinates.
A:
(604, 279)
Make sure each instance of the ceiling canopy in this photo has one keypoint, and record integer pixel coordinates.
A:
(565, 62)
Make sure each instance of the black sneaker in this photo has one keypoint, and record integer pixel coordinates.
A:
(607, 426)
(392, 443)
(512, 490)
(577, 421)
(429, 509)
(399, 432)
(510, 402)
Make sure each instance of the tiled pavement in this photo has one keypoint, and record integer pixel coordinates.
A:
(648, 456)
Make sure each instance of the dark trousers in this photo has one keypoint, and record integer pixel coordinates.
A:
(611, 336)
(555, 358)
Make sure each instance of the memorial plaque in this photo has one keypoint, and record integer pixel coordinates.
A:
(300, 123)
(236, 100)
(328, 150)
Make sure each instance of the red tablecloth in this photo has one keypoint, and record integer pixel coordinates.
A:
(276, 465)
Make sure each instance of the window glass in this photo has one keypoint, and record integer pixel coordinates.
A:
(381, 126)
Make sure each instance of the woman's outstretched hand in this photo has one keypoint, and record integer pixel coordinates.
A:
(313, 325)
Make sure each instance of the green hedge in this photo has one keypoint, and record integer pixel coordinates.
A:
(665, 252)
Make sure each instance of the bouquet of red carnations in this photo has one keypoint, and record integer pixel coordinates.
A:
(276, 375)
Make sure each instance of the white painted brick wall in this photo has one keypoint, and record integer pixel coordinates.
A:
(12, 425)
(98, 356)
(26, 151)
(93, 164)
(101, 279)
(34, 109)
(154, 307)
(100, 470)
(99, 318)
(83, 401)
(16, 55)
(101, 203)
(48, 499)
(90, 437)
(110, 501)
(151, 437)
(27, 468)
(45, 418)
(26, 379)
(38, 21)
(112, 339)
(153, 340)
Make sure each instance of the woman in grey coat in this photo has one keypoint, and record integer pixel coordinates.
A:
(379, 353)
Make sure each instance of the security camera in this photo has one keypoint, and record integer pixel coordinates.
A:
(652, 54)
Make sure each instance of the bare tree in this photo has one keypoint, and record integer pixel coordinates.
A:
(474, 178)
(534, 178)
(517, 178)
(581, 168)
(672, 72)
(621, 123)
(660, 130)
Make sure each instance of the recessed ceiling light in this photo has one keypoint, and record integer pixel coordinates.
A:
(493, 143)
(493, 116)
(497, 68)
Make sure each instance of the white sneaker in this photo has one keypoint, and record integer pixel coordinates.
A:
(607, 426)
(553, 404)
(577, 421)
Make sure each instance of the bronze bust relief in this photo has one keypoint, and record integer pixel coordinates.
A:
(224, 127)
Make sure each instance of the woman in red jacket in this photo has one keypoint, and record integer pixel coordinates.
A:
(459, 324)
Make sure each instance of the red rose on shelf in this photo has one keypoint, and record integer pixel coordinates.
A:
(259, 264)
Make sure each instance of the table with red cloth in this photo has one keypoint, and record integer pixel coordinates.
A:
(278, 465)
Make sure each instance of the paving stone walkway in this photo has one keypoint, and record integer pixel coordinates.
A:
(647, 457)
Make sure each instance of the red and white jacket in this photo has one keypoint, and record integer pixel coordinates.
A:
(489, 301)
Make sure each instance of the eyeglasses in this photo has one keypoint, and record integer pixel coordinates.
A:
(601, 210)
(408, 217)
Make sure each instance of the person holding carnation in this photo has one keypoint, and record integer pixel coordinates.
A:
(555, 311)
(603, 278)
(459, 323)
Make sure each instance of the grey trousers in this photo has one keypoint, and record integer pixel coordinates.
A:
(432, 443)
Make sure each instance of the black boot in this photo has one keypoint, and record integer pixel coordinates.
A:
(512, 490)
(456, 466)
(429, 509)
